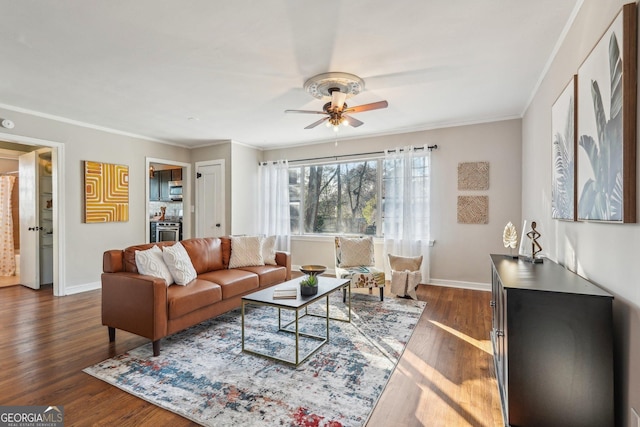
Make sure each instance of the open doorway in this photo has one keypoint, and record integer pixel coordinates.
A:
(26, 213)
(168, 200)
(48, 233)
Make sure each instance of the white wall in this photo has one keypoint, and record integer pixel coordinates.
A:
(244, 184)
(606, 254)
(85, 243)
(460, 256)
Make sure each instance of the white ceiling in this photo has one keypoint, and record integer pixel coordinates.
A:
(197, 71)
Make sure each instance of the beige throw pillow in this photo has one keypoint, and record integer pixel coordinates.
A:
(356, 251)
(402, 263)
(269, 250)
(151, 263)
(246, 251)
(179, 263)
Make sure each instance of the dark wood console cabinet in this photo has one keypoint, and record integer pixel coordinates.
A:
(552, 337)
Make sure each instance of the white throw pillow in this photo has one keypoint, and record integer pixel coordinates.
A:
(356, 251)
(151, 263)
(269, 250)
(246, 251)
(179, 263)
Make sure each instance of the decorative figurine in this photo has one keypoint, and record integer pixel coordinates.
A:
(510, 238)
(535, 246)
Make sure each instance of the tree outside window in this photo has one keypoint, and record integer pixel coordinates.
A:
(340, 198)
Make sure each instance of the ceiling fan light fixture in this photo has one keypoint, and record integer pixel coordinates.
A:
(336, 88)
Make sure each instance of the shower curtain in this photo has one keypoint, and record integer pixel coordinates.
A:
(7, 255)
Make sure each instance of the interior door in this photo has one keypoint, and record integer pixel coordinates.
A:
(210, 204)
(29, 221)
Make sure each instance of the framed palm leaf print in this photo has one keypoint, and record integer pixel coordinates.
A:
(606, 153)
(563, 126)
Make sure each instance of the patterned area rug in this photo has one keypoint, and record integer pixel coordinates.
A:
(203, 375)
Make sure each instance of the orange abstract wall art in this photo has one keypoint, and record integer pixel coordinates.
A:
(106, 192)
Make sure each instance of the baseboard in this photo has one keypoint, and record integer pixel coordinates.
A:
(70, 290)
(458, 284)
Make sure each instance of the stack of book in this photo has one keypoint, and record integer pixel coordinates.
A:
(285, 292)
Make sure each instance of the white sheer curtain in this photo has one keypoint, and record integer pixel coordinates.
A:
(406, 205)
(7, 254)
(273, 203)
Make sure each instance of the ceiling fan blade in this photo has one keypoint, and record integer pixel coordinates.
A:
(314, 124)
(337, 99)
(352, 122)
(304, 111)
(367, 107)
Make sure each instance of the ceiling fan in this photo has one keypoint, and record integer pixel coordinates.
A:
(337, 87)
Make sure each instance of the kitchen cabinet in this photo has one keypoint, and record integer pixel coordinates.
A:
(165, 177)
(552, 337)
(159, 185)
(176, 174)
(154, 187)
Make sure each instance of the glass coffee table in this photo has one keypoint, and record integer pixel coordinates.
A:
(300, 304)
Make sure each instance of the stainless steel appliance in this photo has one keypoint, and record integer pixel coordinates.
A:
(168, 232)
(175, 190)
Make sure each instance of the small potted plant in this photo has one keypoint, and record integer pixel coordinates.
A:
(309, 285)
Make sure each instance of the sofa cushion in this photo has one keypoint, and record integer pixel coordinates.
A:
(151, 263)
(269, 250)
(246, 250)
(226, 251)
(233, 282)
(197, 294)
(268, 274)
(205, 253)
(179, 263)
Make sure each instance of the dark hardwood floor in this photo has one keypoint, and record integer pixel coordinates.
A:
(445, 376)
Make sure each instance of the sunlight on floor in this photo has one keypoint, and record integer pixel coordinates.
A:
(484, 345)
(440, 391)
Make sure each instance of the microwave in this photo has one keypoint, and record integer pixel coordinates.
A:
(175, 190)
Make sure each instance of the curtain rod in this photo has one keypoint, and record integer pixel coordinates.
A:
(430, 148)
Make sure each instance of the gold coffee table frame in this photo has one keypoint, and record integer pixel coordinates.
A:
(326, 286)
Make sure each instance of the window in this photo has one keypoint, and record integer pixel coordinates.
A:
(339, 198)
(349, 197)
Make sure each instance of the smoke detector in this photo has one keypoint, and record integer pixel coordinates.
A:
(6, 123)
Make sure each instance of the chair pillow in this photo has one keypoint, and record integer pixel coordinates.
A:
(401, 263)
(151, 263)
(356, 251)
(179, 263)
(269, 250)
(246, 251)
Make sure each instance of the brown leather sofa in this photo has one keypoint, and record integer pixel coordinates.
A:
(146, 306)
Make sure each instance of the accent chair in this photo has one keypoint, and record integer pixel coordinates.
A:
(355, 261)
